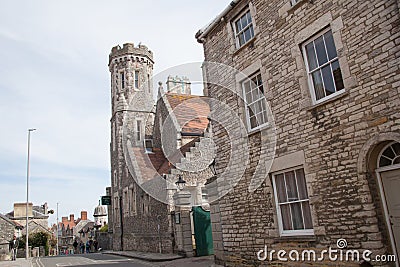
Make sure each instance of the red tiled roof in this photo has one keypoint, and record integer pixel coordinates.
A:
(190, 111)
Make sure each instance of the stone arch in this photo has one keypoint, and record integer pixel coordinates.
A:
(366, 166)
(371, 149)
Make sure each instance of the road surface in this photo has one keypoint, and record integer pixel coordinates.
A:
(95, 259)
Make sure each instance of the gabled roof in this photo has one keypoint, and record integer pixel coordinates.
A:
(37, 226)
(15, 224)
(81, 225)
(191, 112)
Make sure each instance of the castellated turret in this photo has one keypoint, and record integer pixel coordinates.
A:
(131, 71)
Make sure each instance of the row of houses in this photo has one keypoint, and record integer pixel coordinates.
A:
(294, 145)
(68, 230)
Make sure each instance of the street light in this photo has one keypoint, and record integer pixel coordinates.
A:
(180, 183)
(27, 194)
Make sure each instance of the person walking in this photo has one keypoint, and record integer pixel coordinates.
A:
(13, 246)
(82, 246)
(95, 245)
(87, 247)
(75, 244)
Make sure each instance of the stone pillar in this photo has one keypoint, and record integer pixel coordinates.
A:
(215, 215)
(183, 229)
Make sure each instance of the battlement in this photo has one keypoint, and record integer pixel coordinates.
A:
(178, 85)
(130, 49)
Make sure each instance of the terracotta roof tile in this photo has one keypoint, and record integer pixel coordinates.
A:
(191, 112)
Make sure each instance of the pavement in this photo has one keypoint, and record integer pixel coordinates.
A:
(168, 260)
(20, 262)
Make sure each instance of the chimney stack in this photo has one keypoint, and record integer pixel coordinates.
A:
(83, 215)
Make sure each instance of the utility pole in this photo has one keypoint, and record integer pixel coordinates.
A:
(27, 195)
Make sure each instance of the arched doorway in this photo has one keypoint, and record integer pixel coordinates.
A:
(388, 174)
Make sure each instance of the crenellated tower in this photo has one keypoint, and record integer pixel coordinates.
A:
(131, 69)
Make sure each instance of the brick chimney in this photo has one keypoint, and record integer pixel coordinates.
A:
(83, 215)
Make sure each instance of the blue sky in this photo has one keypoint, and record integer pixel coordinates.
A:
(54, 77)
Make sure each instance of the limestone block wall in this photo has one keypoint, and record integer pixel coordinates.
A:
(6, 234)
(330, 135)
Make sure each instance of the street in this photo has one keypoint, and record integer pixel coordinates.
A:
(95, 259)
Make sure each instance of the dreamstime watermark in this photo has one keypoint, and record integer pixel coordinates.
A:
(331, 254)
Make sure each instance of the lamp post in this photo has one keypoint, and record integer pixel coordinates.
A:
(57, 233)
(27, 194)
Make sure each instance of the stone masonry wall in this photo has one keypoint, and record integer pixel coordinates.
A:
(137, 228)
(331, 135)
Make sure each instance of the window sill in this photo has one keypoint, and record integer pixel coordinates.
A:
(259, 129)
(249, 44)
(296, 238)
(331, 99)
(297, 5)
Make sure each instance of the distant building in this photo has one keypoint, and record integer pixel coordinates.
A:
(38, 217)
(70, 230)
(100, 215)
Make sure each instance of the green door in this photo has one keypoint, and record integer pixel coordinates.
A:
(202, 232)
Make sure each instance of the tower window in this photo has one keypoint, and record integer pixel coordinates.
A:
(148, 82)
(122, 75)
(138, 130)
(136, 79)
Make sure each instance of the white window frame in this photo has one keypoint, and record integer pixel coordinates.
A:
(263, 98)
(329, 62)
(237, 34)
(282, 232)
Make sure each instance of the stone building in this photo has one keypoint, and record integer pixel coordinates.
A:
(8, 229)
(38, 217)
(329, 71)
(152, 144)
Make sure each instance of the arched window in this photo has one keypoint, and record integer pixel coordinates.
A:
(390, 155)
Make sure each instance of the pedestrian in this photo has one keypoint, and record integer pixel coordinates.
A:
(96, 245)
(87, 247)
(90, 245)
(13, 246)
(75, 244)
(82, 246)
